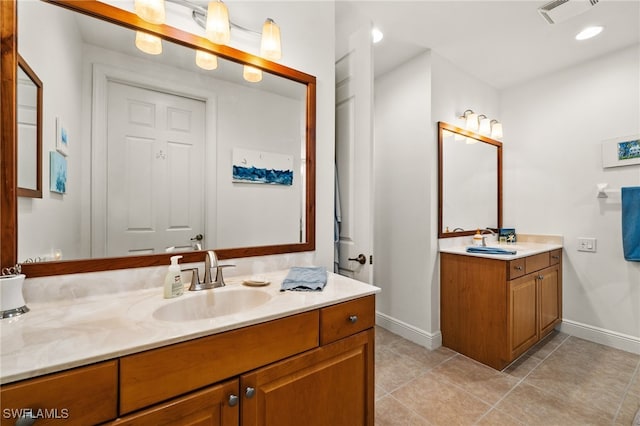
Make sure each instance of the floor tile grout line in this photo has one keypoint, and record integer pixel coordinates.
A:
(410, 409)
(636, 372)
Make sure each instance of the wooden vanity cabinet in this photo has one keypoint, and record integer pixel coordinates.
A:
(312, 368)
(493, 310)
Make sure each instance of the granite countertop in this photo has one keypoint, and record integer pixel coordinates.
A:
(522, 249)
(69, 333)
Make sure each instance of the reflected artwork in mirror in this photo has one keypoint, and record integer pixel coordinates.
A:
(29, 120)
(150, 166)
(470, 182)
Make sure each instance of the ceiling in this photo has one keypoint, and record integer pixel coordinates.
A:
(503, 43)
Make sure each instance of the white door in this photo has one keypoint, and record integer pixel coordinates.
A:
(155, 151)
(354, 156)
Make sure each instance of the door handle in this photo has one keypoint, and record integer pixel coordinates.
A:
(198, 237)
(361, 259)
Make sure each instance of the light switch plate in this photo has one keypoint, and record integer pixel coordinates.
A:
(587, 244)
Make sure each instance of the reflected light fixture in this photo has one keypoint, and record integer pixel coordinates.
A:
(251, 74)
(496, 129)
(148, 43)
(206, 60)
(588, 33)
(270, 46)
(150, 10)
(217, 27)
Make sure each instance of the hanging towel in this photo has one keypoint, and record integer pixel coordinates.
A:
(490, 250)
(305, 279)
(631, 223)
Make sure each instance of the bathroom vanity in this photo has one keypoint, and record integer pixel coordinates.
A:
(300, 355)
(495, 307)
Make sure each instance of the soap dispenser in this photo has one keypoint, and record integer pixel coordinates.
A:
(477, 238)
(173, 286)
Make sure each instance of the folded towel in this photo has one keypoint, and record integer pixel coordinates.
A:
(631, 223)
(489, 250)
(305, 279)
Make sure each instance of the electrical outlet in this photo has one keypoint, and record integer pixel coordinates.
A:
(587, 244)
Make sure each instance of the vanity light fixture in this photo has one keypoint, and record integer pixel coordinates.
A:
(588, 33)
(470, 120)
(148, 43)
(217, 25)
(496, 129)
(150, 10)
(484, 125)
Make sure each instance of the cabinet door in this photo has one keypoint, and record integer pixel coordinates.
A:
(523, 327)
(331, 385)
(550, 299)
(216, 405)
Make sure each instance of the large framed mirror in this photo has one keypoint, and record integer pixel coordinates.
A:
(153, 145)
(29, 121)
(469, 182)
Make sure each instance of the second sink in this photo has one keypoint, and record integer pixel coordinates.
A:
(211, 304)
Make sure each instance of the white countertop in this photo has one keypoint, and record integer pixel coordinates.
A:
(522, 249)
(69, 333)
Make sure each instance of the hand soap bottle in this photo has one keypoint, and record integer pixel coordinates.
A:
(173, 286)
(477, 239)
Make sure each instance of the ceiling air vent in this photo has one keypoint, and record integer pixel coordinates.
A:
(560, 10)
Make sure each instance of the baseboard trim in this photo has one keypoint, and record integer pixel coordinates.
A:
(602, 336)
(409, 332)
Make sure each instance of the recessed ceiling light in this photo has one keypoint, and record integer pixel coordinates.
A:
(376, 35)
(588, 33)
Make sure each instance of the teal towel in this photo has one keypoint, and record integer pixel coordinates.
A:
(489, 250)
(305, 279)
(631, 223)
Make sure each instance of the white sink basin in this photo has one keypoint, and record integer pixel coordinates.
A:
(211, 304)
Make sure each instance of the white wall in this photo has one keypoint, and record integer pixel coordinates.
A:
(409, 101)
(59, 70)
(554, 127)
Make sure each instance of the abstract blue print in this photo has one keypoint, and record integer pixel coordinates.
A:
(58, 172)
(262, 167)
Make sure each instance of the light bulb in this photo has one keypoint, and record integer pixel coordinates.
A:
(206, 60)
(150, 10)
(251, 74)
(270, 47)
(148, 43)
(217, 28)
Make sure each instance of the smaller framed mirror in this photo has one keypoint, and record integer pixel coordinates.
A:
(29, 128)
(470, 182)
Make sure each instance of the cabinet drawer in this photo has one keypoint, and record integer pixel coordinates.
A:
(160, 374)
(555, 256)
(536, 262)
(346, 318)
(82, 396)
(516, 268)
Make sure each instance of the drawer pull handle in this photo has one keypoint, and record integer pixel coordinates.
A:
(541, 277)
(353, 319)
(518, 268)
(26, 419)
(249, 392)
(233, 400)
(555, 256)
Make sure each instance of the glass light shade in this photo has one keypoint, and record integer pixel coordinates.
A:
(485, 125)
(471, 141)
(472, 122)
(148, 43)
(270, 46)
(150, 10)
(206, 60)
(496, 129)
(217, 28)
(251, 74)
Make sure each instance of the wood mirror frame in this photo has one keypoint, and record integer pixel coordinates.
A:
(442, 127)
(8, 148)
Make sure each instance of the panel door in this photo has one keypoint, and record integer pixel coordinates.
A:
(354, 157)
(549, 300)
(331, 385)
(216, 405)
(523, 326)
(155, 177)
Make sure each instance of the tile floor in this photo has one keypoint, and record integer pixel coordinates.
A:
(563, 380)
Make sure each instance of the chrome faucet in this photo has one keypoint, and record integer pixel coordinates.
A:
(210, 280)
(484, 238)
